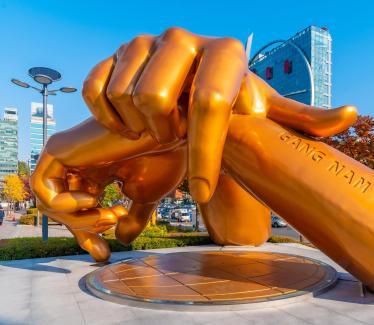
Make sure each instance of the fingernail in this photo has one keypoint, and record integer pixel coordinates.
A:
(199, 189)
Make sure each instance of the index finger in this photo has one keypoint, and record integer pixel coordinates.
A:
(214, 91)
(94, 94)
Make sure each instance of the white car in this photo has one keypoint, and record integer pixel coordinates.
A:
(277, 222)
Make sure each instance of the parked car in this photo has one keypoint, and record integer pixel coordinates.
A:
(277, 222)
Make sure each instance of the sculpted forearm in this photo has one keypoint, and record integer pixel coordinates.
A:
(91, 144)
(325, 195)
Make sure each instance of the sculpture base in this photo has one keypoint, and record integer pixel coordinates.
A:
(211, 277)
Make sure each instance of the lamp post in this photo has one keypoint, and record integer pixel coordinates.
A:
(45, 77)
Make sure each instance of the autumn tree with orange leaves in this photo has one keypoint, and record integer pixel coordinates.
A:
(357, 141)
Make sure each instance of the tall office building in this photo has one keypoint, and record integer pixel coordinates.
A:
(284, 67)
(9, 143)
(36, 131)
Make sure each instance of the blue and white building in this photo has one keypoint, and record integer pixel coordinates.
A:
(36, 130)
(290, 66)
(8, 143)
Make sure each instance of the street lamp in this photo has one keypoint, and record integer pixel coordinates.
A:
(45, 77)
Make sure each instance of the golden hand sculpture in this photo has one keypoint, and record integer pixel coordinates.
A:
(161, 97)
(76, 165)
(155, 83)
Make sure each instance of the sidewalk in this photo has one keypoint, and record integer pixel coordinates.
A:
(52, 291)
(11, 229)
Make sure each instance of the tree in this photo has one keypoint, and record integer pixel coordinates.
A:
(14, 189)
(23, 169)
(29, 194)
(112, 192)
(24, 174)
(183, 187)
(357, 141)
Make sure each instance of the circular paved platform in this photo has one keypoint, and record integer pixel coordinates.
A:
(211, 277)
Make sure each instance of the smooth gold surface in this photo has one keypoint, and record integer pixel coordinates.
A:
(325, 195)
(232, 217)
(211, 278)
(169, 107)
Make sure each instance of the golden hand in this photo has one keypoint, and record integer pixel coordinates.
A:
(153, 83)
(77, 164)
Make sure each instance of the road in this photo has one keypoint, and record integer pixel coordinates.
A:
(287, 232)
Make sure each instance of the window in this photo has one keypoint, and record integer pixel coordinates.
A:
(269, 73)
(287, 66)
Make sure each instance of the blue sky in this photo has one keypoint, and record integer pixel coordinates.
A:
(72, 36)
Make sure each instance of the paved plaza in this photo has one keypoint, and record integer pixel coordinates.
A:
(11, 229)
(52, 291)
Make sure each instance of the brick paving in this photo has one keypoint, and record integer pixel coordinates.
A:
(52, 291)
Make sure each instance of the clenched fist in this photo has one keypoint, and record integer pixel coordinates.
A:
(180, 84)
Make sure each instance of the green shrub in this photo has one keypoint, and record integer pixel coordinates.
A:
(32, 211)
(171, 228)
(153, 243)
(28, 219)
(19, 248)
(149, 231)
(281, 239)
(155, 231)
(32, 219)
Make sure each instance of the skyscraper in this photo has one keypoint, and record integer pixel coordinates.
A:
(9, 143)
(36, 131)
(284, 67)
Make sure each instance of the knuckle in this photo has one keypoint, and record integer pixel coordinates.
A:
(95, 83)
(53, 137)
(153, 104)
(92, 87)
(139, 40)
(121, 50)
(233, 43)
(89, 88)
(52, 141)
(119, 99)
(174, 33)
(209, 99)
(113, 93)
(85, 89)
(117, 95)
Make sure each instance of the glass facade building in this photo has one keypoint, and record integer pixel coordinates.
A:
(284, 67)
(36, 130)
(9, 143)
